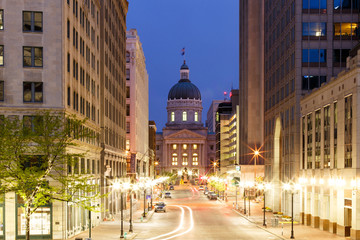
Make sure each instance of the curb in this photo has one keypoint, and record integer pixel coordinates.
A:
(265, 229)
(146, 219)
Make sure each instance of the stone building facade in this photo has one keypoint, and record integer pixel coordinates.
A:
(329, 198)
(137, 107)
(185, 147)
(54, 55)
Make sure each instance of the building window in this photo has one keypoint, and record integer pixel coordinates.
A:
(1, 90)
(32, 21)
(127, 127)
(195, 159)
(195, 146)
(309, 141)
(184, 159)
(68, 96)
(172, 116)
(317, 138)
(314, 55)
(311, 82)
(196, 117)
(340, 55)
(348, 132)
(1, 55)
(127, 109)
(184, 146)
(346, 4)
(1, 19)
(316, 29)
(127, 92)
(174, 159)
(327, 137)
(127, 56)
(33, 91)
(33, 56)
(127, 74)
(184, 116)
(346, 29)
(314, 4)
(174, 146)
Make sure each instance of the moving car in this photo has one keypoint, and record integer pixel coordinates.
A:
(160, 207)
(201, 188)
(167, 195)
(209, 193)
(171, 187)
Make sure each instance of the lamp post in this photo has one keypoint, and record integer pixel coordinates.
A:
(264, 187)
(292, 188)
(121, 186)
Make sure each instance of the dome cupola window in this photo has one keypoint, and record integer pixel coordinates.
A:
(184, 116)
(196, 117)
(172, 117)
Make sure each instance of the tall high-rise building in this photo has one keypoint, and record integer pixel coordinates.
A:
(137, 107)
(112, 65)
(210, 122)
(251, 85)
(305, 44)
(66, 56)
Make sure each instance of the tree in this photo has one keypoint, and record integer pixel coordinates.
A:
(36, 161)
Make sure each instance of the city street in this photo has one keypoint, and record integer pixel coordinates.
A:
(191, 215)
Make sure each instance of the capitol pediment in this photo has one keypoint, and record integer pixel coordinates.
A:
(185, 134)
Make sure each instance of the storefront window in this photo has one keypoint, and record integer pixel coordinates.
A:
(40, 221)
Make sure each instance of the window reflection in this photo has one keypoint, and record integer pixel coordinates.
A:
(314, 29)
(314, 55)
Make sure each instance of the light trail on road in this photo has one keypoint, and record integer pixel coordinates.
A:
(181, 225)
(191, 225)
(178, 228)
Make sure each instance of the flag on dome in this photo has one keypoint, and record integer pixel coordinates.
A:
(183, 52)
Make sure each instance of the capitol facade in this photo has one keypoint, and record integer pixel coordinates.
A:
(185, 147)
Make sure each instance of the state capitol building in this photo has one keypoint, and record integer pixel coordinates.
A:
(184, 146)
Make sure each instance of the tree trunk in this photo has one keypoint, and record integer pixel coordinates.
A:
(27, 222)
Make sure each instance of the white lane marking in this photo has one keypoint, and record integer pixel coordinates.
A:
(178, 228)
(191, 225)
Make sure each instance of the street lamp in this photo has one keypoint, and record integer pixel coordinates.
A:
(256, 154)
(121, 186)
(292, 188)
(264, 187)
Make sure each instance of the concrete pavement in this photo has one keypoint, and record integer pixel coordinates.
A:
(283, 229)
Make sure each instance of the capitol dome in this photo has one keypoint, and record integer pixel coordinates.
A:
(184, 89)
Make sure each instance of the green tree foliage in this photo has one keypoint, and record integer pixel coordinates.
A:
(37, 158)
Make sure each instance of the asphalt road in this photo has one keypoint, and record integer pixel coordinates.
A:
(191, 215)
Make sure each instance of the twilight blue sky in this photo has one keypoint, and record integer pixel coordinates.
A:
(208, 29)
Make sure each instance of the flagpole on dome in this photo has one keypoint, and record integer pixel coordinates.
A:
(183, 53)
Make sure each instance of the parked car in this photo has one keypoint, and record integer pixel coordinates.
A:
(160, 207)
(209, 193)
(167, 195)
(171, 187)
(201, 188)
(212, 196)
(206, 191)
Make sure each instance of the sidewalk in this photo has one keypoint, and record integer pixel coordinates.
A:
(283, 230)
(110, 230)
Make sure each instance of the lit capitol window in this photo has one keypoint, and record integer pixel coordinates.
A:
(174, 146)
(195, 146)
(184, 146)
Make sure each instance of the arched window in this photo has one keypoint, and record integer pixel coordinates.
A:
(184, 116)
(172, 116)
(174, 159)
(195, 159)
(196, 117)
(184, 159)
(127, 56)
